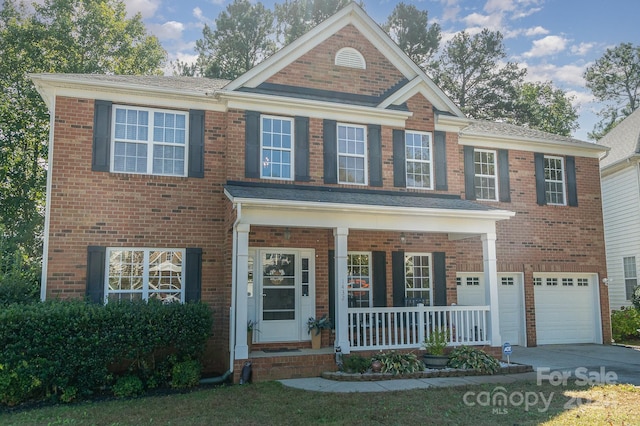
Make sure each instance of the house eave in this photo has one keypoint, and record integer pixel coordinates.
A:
(612, 168)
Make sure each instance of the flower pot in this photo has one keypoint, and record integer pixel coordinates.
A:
(376, 366)
(249, 339)
(316, 340)
(435, 361)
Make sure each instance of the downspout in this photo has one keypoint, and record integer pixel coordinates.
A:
(47, 207)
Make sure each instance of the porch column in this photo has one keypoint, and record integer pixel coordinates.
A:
(341, 326)
(242, 265)
(491, 286)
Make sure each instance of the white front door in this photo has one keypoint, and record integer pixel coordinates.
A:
(285, 294)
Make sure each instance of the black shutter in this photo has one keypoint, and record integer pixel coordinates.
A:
(95, 273)
(302, 149)
(397, 274)
(503, 176)
(399, 160)
(469, 173)
(101, 155)
(375, 154)
(572, 193)
(379, 259)
(540, 187)
(252, 144)
(440, 160)
(439, 279)
(329, 135)
(332, 287)
(192, 274)
(196, 143)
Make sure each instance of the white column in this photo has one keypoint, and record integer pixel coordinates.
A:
(242, 265)
(491, 286)
(341, 303)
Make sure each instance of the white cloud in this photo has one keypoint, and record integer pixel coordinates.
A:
(147, 8)
(217, 2)
(582, 49)
(536, 31)
(493, 22)
(580, 98)
(548, 45)
(561, 75)
(499, 6)
(171, 30)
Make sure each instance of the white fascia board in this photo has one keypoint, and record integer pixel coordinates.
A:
(50, 86)
(448, 123)
(612, 168)
(417, 86)
(581, 149)
(270, 104)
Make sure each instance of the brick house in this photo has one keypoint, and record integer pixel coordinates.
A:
(333, 178)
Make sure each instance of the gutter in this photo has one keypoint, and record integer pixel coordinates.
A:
(47, 210)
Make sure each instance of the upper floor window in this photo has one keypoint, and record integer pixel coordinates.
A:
(149, 141)
(136, 273)
(630, 276)
(417, 278)
(276, 147)
(554, 180)
(359, 280)
(418, 157)
(352, 149)
(486, 174)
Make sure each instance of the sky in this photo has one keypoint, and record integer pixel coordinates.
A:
(556, 40)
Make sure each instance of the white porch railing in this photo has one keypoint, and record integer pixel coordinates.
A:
(407, 327)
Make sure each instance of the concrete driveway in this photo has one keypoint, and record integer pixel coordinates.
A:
(583, 360)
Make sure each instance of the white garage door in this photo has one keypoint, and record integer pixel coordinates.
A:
(567, 309)
(471, 292)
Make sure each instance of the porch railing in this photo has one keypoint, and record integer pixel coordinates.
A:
(407, 327)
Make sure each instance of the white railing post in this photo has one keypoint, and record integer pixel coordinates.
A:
(421, 323)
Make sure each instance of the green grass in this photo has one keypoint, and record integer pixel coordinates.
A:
(273, 404)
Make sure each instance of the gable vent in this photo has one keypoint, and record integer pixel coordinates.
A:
(350, 57)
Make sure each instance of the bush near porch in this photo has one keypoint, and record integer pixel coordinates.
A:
(625, 324)
(61, 350)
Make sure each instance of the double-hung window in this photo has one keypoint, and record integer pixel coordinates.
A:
(630, 276)
(417, 278)
(143, 273)
(555, 189)
(486, 174)
(149, 141)
(359, 280)
(276, 147)
(352, 149)
(418, 152)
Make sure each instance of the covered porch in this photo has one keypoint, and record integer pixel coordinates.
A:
(399, 321)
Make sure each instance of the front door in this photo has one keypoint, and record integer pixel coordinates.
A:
(285, 294)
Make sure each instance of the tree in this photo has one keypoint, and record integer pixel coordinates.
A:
(241, 39)
(296, 17)
(541, 106)
(69, 36)
(409, 29)
(469, 72)
(615, 79)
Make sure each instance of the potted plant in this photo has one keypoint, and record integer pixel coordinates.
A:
(435, 343)
(316, 325)
(251, 326)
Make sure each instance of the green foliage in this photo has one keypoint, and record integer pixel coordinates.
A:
(64, 348)
(635, 297)
(398, 363)
(128, 386)
(322, 323)
(19, 282)
(468, 357)
(185, 374)
(436, 341)
(625, 324)
(355, 363)
(543, 107)
(296, 17)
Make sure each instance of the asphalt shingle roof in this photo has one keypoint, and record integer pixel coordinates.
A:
(624, 140)
(491, 128)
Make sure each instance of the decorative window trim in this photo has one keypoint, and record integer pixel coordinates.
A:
(562, 182)
(630, 274)
(363, 286)
(146, 265)
(484, 153)
(353, 155)
(429, 278)
(429, 162)
(350, 58)
(290, 150)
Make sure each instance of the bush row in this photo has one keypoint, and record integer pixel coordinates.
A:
(625, 324)
(65, 349)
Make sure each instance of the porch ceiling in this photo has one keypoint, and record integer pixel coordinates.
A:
(321, 207)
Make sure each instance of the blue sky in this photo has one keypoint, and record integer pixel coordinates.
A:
(555, 39)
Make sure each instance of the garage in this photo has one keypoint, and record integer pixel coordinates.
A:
(567, 308)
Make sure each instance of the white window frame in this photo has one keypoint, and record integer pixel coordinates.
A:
(429, 162)
(145, 291)
(562, 181)
(423, 290)
(290, 150)
(150, 143)
(483, 153)
(629, 275)
(352, 155)
(368, 277)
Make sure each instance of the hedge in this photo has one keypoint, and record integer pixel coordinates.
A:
(625, 324)
(64, 349)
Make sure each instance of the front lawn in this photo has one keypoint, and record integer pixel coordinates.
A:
(273, 404)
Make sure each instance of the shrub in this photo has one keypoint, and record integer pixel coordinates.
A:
(635, 298)
(185, 374)
(625, 324)
(471, 358)
(399, 363)
(356, 363)
(128, 386)
(19, 280)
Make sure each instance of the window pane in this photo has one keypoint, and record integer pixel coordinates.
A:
(418, 159)
(276, 148)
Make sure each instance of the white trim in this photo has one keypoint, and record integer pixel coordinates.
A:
(430, 162)
(564, 180)
(364, 155)
(291, 150)
(369, 277)
(47, 210)
(494, 176)
(429, 290)
(431, 92)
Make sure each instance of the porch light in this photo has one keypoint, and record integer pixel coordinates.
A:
(287, 234)
(403, 238)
